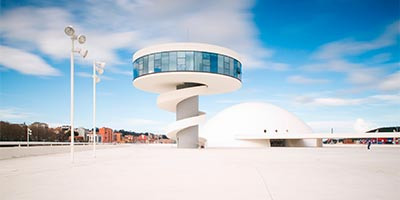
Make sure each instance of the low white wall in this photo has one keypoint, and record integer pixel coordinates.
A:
(17, 152)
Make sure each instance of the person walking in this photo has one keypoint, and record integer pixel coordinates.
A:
(369, 144)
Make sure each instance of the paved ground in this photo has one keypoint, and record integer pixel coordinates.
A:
(18, 152)
(154, 172)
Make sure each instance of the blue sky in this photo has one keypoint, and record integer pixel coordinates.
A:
(334, 64)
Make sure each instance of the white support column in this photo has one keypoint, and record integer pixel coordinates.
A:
(188, 137)
(319, 142)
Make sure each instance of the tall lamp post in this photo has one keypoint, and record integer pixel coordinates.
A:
(99, 68)
(70, 31)
(28, 133)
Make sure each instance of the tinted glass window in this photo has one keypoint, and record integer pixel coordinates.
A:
(172, 61)
(157, 62)
(206, 62)
(187, 61)
(181, 60)
(145, 64)
(231, 66)
(135, 70)
(198, 61)
(226, 65)
(213, 63)
(140, 66)
(220, 64)
(164, 61)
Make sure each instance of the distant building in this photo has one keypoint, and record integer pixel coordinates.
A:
(128, 138)
(65, 127)
(106, 135)
(90, 137)
(234, 126)
(384, 140)
(82, 132)
(117, 137)
(142, 139)
(39, 125)
(385, 129)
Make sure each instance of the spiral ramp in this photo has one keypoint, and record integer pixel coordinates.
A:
(184, 102)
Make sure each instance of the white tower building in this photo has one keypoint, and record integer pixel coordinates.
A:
(180, 72)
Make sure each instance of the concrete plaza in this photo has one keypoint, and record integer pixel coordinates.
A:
(164, 172)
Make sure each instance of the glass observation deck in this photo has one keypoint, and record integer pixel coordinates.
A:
(187, 61)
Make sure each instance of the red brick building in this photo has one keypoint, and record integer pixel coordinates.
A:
(117, 137)
(128, 138)
(106, 135)
(142, 139)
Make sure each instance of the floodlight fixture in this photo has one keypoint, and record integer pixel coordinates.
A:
(97, 79)
(82, 51)
(69, 30)
(81, 39)
(101, 64)
(99, 70)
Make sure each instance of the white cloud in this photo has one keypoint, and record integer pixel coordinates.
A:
(336, 101)
(276, 66)
(391, 82)
(136, 124)
(89, 75)
(338, 126)
(341, 126)
(389, 98)
(37, 28)
(226, 23)
(364, 75)
(345, 47)
(329, 101)
(13, 114)
(356, 73)
(84, 74)
(131, 25)
(381, 58)
(25, 62)
(304, 80)
(361, 126)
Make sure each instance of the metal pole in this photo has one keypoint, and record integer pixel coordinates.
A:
(72, 101)
(94, 109)
(27, 136)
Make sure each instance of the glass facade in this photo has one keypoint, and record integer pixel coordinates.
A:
(187, 61)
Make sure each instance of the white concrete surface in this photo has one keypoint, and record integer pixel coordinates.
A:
(17, 152)
(154, 172)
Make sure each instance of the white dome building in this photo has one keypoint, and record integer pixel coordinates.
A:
(254, 121)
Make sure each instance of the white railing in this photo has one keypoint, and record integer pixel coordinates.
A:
(35, 143)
